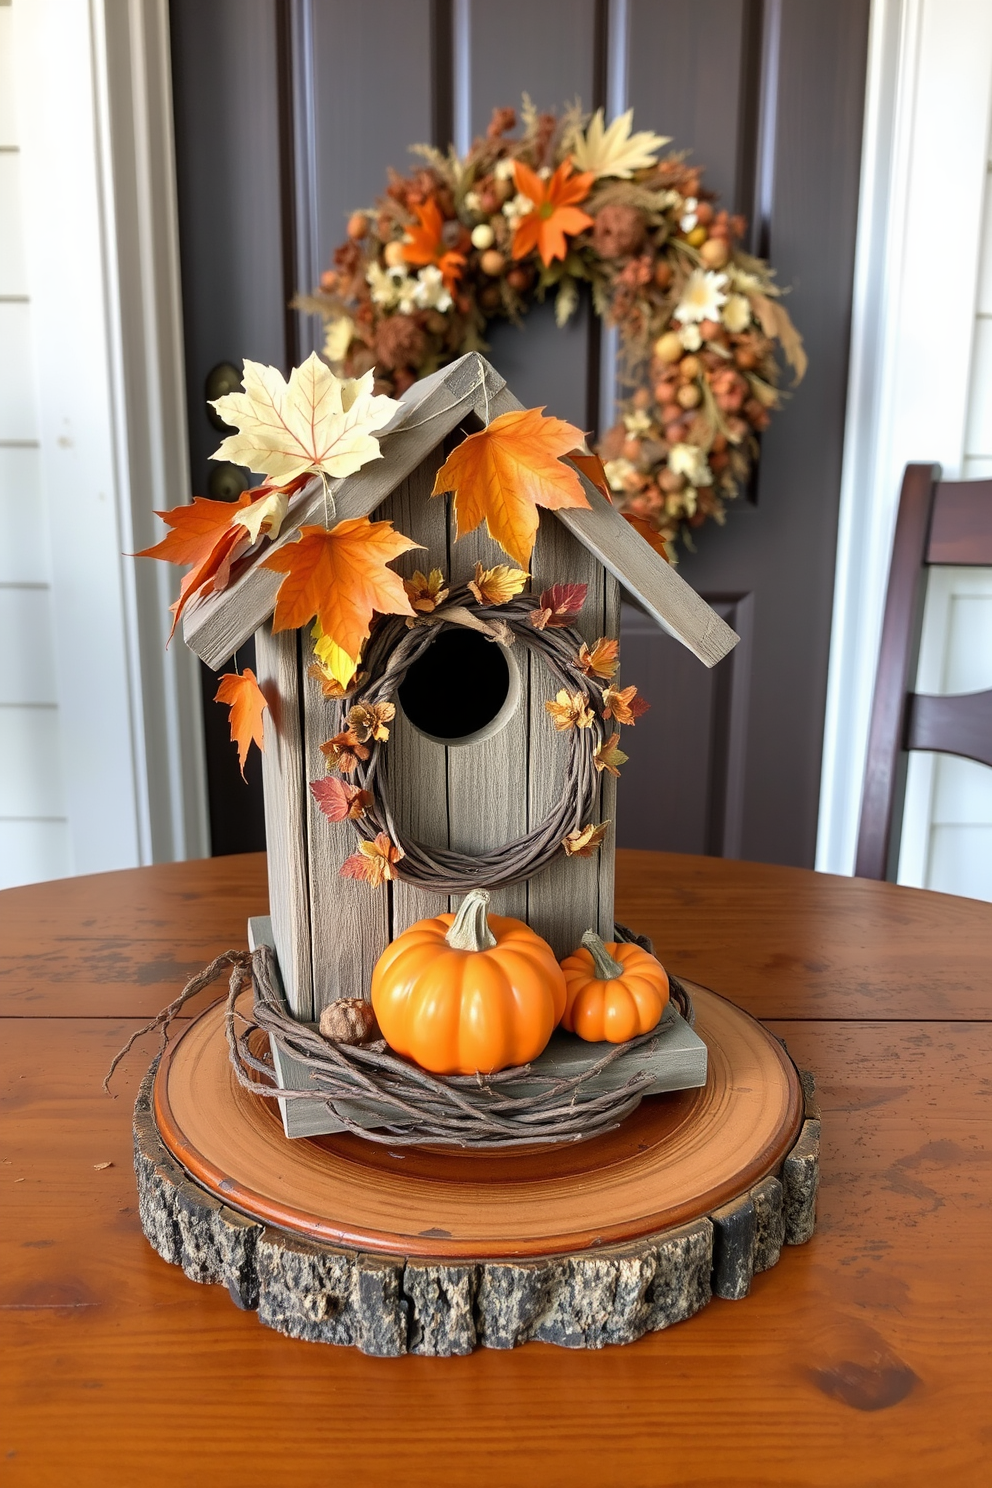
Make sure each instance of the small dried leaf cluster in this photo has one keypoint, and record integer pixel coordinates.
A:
(570, 202)
(374, 862)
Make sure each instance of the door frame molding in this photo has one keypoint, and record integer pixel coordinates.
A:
(927, 109)
(96, 115)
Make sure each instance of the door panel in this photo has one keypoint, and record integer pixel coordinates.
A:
(289, 113)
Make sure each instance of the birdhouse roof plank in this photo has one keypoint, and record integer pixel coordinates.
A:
(215, 627)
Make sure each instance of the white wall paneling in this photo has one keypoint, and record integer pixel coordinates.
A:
(913, 334)
(31, 851)
(94, 119)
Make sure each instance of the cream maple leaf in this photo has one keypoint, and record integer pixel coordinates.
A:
(316, 422)
(615, 151)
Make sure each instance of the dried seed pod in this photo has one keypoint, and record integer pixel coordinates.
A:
(349, 1020)
(492, 262)
(668, 348)
(358, 225)
(714, 253)
(689, 395)
(393, 253)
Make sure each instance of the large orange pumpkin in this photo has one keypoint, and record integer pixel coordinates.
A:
(615, 991)
(464, 993)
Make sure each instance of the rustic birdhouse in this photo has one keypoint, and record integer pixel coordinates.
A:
(474, 760)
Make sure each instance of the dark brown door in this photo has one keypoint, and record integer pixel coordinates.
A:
(287, 116)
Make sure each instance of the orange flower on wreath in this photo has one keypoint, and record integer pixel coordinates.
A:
(425, 245)
(555, 211)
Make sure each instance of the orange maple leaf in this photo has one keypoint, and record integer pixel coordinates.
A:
(341, 577)
(247, 704)
(650, 534)
(592, 468)
(204, 534)
(425, 245)
(505, 472)
(555, 212)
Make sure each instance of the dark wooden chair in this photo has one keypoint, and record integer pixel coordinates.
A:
(939, 522)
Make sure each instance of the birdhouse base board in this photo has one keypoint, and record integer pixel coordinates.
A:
(429, 1251)
(676, 1062)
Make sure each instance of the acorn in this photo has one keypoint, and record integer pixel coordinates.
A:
(493, 263)
(689, 395)
(349, 1020)
(668, 348)
(482, 236)
(358, 225)
(328, 280)
(714, 253)
(690, 368)
(393, 253)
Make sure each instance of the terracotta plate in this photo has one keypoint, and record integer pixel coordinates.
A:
(678, 1156)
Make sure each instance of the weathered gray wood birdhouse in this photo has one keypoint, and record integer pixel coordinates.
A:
(472, 761)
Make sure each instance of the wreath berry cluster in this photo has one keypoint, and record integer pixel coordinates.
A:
(569, 202)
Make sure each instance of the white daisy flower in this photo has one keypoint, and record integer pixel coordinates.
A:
(689, 460)
(638, 422)
(504, 170)
(690, 337)
(518, 206)
(617, 471)
(702, 297)
(429, 292)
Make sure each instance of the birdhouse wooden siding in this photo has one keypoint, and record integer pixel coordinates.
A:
(476, 795)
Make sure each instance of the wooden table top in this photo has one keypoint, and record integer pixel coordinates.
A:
(862, 1358)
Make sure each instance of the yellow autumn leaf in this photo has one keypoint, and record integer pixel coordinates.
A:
(615, 151)
(316, 422)
(609, 757)
(496, 586)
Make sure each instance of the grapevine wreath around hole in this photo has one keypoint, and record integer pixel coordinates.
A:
(570, 206)
(587, 709)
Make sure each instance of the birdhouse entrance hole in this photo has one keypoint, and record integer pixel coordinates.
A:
(463, 689)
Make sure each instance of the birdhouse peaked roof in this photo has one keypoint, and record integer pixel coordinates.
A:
(216, 626)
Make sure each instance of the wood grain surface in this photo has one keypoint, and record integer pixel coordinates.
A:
(861, 1359)
(674, 1160)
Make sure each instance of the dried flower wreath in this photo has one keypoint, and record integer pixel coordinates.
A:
(462, 242)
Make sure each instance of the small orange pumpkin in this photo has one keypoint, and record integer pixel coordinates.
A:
(615, 991)
(464, 994)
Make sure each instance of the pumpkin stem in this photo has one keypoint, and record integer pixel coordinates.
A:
(605, 966)
(471, 931)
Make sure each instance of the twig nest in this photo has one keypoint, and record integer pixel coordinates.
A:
(349, 1020)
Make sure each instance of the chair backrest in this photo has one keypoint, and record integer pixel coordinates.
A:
(939, 522)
